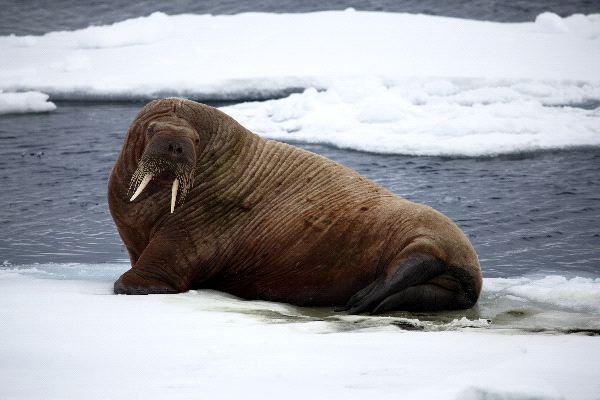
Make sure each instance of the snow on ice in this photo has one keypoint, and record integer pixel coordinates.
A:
(431, 117)
(24, 102)
(372, 81)
(64, 336)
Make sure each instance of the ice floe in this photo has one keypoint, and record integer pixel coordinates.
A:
(554, 291)
(258, 55)
(432, 117)
(71, 338)
(370, 81)
(24, 102)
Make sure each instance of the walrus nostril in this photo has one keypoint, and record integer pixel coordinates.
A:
(175, 149)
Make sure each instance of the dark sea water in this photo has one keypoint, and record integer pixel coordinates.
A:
(35, 17)
(525, 214)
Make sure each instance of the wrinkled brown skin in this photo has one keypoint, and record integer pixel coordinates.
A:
(266, 220)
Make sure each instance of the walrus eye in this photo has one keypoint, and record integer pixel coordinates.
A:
(150, 130)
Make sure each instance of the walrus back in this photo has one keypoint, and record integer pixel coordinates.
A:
(326, 228)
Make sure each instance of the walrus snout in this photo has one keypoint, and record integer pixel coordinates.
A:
(173, 148)
(166, 155)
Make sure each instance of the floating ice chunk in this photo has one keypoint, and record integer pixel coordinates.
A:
(23, 41)
(138, 31)
(550, 22)
(440, 87)
(469, 118)
(584, 25)
(271, 54)
(25, 102)
(577, 294)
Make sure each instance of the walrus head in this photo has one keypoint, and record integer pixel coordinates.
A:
(168, 159)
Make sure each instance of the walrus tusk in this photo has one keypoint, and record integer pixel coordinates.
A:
(174, 189)
(142, 186)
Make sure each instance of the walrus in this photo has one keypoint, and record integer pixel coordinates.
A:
(201, 202)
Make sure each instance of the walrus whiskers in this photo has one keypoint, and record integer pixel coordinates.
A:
(151, 167)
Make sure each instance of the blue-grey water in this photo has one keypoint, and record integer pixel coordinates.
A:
(525, 213)
(34, 17)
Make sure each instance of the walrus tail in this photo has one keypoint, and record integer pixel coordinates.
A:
(420, 283)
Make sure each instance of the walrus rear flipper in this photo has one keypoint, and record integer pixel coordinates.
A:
(426, 297)
(395, 289)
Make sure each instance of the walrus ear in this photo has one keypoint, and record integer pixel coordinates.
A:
(201, 138)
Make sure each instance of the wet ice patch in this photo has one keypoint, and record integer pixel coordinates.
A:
(437, 322)
(532, 304)
(542, 304)
(24, 102)
(69, 271)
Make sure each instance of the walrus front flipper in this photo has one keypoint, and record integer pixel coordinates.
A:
(131, 282)
(162, 268)
(415, 269)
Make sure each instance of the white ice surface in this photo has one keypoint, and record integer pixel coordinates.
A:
(382, 82)
(24, 102)
(248, 54)
(577, 294)
(72, 338)
(431, 117)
